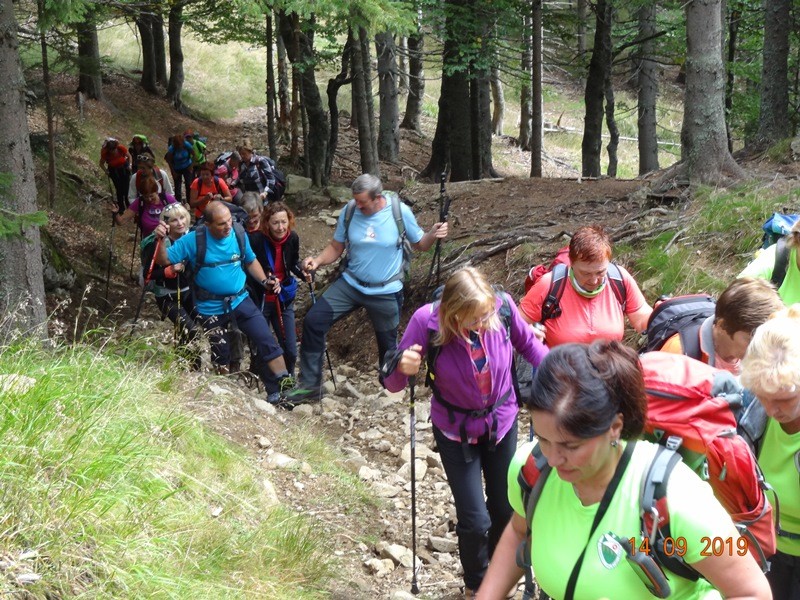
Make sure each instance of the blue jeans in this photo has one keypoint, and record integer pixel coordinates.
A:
(480, 522)
(283, 324)
(252, 323)
(338, 301)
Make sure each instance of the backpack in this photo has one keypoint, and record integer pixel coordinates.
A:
(432, 354)
(551, 308)
(402, 242)
(776, 228)
(683, 315)
(692, 414)
(693, 408)
(201, 237)
(222, 159)
(537, 272)
(275, 194)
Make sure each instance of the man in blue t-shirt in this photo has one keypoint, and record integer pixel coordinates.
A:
(373, 277)
(221, 297)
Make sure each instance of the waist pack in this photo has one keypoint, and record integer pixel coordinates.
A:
(692, 408)
(682, 315)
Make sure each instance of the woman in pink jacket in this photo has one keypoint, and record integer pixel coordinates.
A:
(469, 338)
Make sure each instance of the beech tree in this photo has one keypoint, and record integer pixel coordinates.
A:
(21, 280)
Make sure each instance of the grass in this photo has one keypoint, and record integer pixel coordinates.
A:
(113, 491)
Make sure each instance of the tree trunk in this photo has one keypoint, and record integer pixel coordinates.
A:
(48, 104)
(369, 158)
(176, 76)
(537, 112)
(525, 106)
(144, 24)
(499, 100)
(704, 145)
(333, 108)
(583, 15)
(90, 80)
(284, 104)
(402, 65)
(460, 127)
(647, 92)
(366, 57)
(440, 147)
(611, 123)
(318, 126)
(306, 145)
(294, 145)
(416, 82)
(159, 47)
(389, 119)
(21, 280)
(595, 91)
(272, 136)
(773, 119)
(733, 41)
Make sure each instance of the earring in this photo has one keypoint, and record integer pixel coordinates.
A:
(614, 443)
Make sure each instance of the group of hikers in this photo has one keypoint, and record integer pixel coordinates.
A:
(620, 516)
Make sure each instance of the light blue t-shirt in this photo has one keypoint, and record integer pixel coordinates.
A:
(374, 255)
(224, 280)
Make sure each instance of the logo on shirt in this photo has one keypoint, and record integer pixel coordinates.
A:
(369, 235)
(609, 550)
(235, 256)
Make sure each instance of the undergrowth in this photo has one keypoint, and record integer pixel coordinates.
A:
(111, 491)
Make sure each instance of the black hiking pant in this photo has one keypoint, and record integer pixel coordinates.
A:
(784, 576)
(121, 178)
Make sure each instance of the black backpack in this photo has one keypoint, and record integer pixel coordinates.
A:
(683, 315)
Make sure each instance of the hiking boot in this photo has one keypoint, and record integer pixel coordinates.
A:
(274, 398)
(301, 395)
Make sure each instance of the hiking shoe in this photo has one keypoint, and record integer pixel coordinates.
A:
(274, 398)
(300, 395)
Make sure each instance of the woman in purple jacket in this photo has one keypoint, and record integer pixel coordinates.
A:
(468, 338)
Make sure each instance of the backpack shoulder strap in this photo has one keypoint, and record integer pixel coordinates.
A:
(202, 244)
(782, 251)
(690, 339)
(531, 478)
(349, 210)
(551, 308)
(617, 282)
(397, 213)
(240, 240)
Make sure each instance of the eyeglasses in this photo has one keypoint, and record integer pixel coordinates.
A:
(481, 321)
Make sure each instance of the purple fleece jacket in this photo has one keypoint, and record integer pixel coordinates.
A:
(454, 369)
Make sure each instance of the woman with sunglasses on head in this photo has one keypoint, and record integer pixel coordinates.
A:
(468, 338)
(147, 208)
(171, 284)
(771, 370)
(588, 408)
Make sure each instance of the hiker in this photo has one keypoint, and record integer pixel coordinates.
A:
(277, 247)
(784, 274)
(146, 167)
(472, 331)
(198, 150)
(116, 163)
(723, 337)
(256, 173)
(140, 145)
(588, 410)
(771, 369)
(207, 187)
(223, 173)
(179, 159)
(593, 302)
(220, 294)
(372, 277)
(171, 284)
(147, 208)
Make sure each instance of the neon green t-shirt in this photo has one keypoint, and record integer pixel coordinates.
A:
(561, 526)
(776, 459)
(762, 267)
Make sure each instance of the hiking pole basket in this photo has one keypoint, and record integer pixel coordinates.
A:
(412, 425)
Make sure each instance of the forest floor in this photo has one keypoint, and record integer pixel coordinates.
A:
(504, 226)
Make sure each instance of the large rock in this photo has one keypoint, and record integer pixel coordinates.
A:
(297, 183)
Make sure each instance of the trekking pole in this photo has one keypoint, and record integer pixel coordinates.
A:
(144, 287)
(280, 316)
(133, 250)
(327, 355)
(444, 208)
(412, 425)
(110, 253)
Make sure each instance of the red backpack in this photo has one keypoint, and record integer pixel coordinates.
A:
(692, 407)
(537, 272)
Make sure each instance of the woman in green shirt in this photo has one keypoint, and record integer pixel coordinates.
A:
(771, 370)
(588, 408)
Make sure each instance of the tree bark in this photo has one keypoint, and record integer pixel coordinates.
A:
(284, 103)
(595, 91)
(48, 105)
(366, 57)
(272, 135)
(525, 106)
(773, 120)
(159, 48)
(648, 91)
(21, 280)
(318, 126)
(144, 24)
(90, 80)
(440, 147)
(499, 101)
(537, 112)
(369, 158)
(333, 107)
(402, 65)
(733, 41)
(583, 15)
(176, 75)
(416, 82)
(611, 123)
(389, 119)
